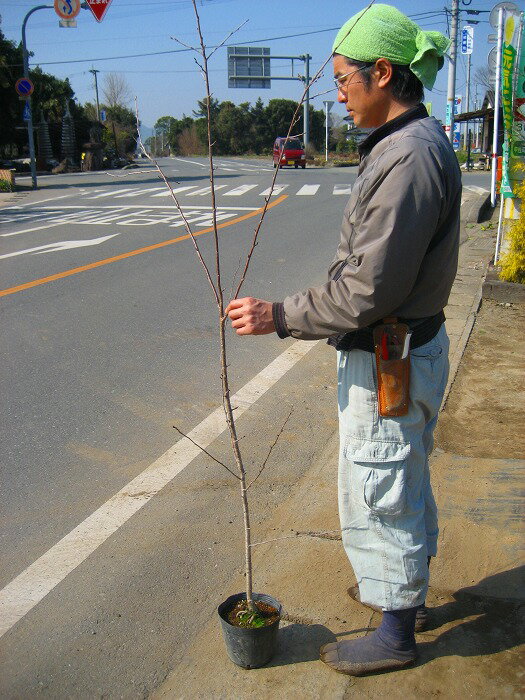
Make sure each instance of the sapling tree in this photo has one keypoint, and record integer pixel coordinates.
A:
(215, 281)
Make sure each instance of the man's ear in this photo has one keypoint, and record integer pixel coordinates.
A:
(383, 72)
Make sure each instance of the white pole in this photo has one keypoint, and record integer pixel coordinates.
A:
(451, 89)
(326, 132)
(500, 225)
(497, 99)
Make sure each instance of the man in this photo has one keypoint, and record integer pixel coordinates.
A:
(397, 257)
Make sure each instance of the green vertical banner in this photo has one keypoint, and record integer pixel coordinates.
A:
(508, 60)
(518, 132)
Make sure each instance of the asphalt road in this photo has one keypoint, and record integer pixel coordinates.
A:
(109, 330)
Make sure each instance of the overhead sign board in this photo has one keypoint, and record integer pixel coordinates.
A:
(467, 39)
(249, 67)
(99, 8)
(67, 9)
(24, 87)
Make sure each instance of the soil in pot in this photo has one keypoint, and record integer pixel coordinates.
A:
(241, 616)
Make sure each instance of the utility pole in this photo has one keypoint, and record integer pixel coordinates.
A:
(94, 71)
(306, 105)
(467, 108)
(451, 91)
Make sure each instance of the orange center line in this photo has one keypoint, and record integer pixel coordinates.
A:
(131, 253)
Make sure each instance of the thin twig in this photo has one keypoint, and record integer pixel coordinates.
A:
(187, 46)
(177, 204)
(271, 448)
(234, 31)
(206, 452)
(295, 118)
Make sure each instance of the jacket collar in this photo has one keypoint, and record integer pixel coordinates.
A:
(418, 112)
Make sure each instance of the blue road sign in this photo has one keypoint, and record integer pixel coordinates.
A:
(26, 116)
(24, 87)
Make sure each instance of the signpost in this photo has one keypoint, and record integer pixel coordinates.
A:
(467, 39)
(98, 8)
(249, 67)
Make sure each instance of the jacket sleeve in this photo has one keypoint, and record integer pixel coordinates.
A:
(395, 219)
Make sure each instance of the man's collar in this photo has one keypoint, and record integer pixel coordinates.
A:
(417, 112)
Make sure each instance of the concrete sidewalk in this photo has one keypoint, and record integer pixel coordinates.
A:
(471, 650)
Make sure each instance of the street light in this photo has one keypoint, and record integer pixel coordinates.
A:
(25, 58)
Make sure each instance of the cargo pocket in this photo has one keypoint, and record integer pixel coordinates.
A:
(378, 474)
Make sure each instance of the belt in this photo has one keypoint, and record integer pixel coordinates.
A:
(423, 330)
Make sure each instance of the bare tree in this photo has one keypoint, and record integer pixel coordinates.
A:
(483, 77)
(116, 90)
(214, 277)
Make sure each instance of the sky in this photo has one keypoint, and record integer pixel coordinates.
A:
(171, 83)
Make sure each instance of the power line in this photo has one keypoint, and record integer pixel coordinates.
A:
(185, 50)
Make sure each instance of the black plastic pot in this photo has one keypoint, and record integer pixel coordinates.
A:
(249, 648)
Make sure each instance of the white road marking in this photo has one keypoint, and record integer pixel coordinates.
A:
(136, 193)
(59, 245)
(205, 190)
(276, 190)
(342, 189)
(193, 162)
(35, 204)
(112, 193)
(308, 189)
(476, 189)
(238, 191)
(176, 190)
(25, 591)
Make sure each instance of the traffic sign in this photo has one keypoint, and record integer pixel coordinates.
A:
(102, 115)
(67, 9)
(99, 8)
(26, 115)
(467, 39)
(24, 87)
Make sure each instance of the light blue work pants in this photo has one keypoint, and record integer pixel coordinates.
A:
(387, 511)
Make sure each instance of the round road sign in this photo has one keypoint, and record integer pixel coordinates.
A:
(67, 9)
(24, 87)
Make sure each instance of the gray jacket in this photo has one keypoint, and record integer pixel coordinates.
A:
(399, 239)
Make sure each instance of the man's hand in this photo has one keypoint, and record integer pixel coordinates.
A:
(251, 316)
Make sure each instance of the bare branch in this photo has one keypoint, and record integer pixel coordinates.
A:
(206, 452)
(234, 31)
(295, 119)
(186, 46)
(177, 204)
(271, 448)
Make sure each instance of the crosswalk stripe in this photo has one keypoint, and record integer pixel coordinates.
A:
(276, 190)
(476, 189)
(342, 189)
(238, 191)
(176, 190)
(109, 194)
(205, 190)
(136, 193)
(308, 189)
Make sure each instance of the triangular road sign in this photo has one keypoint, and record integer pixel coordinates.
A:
(99, 8)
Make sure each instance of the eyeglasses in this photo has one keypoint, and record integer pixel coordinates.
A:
(341, 81)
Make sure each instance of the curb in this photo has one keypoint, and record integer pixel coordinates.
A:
(497, 290)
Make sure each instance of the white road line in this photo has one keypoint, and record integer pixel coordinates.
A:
(476, 189)
(176, 190)
(193, 162)
(35, 228)
(205, 190)
(308, 189)
(342, 189)
(35, 204)
(111, 193)
(136, 193)
(238, 191)
(25, 591)
(276, 190)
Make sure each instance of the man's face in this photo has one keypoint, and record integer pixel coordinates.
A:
(364, 104)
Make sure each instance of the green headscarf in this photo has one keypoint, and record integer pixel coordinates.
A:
(382, 31)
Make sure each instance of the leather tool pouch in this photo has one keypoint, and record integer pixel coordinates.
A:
(391, 344)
